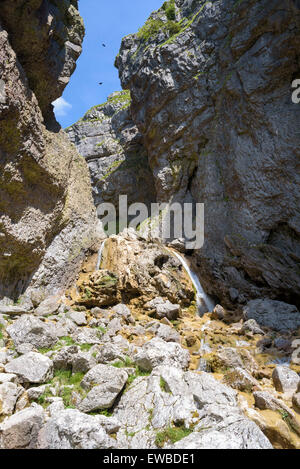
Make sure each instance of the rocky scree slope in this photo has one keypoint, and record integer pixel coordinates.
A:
(113, 148)
(140, 374)
(73, 375)
(211, 95)
(47, 216)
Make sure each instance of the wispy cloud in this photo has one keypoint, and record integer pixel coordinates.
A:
(61, 107)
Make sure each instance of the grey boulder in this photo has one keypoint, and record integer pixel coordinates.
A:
(170, 396)
(31, 368)
(31, 330)
(163, 308)
(71, 429)
(276, 315)
(20, 431)
(240, 379)
(82, 362)
(12, 310)
(157, 352)
(285, 379)
(164, 332)
(124, 312)
(9, 393)
(79, 317)
(8, 378)
(252, 327)
(242, 434)
(104, 384)
(49, 306)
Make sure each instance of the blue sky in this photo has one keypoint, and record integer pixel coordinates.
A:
(105, 22)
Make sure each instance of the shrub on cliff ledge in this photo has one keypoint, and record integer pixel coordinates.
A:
(170, 10)
(153, 27)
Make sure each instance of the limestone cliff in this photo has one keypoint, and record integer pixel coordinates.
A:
(211, 94)
(109, 140)
(47, 217)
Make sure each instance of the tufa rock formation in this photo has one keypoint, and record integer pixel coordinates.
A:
(47, 217)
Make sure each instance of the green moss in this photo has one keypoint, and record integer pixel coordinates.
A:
(150, 29)
(164, 386)
(237, 4)
(107, 281)
(122, 97)
(126, 363)
(68, 383)
(9, 135)
(150, 412)
(111, 169)
(292, 424)
(85, 347)
(196, 77)
(87, 294)
(42, 400)
(105, 412)
(130, 434)
(67, 340)
(172, 434)
(63, 341)
(193, 308)
(65, 377)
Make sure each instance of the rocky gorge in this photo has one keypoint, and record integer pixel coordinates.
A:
(110, 342)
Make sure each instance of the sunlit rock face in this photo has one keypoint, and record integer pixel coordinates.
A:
(211, 94)
(47, 216)
(47, 37)
(109, 140)
(135, 270)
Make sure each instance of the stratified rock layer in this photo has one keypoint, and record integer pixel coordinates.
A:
(211, 94)
(109, 140)
(47, 217)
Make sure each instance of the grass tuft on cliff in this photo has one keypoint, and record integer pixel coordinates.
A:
(172, 434)
(170, 10)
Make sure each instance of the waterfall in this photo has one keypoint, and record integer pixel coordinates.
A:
(204, 302)
(100, 252)
(205, 348)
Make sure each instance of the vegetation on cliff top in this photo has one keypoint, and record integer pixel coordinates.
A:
(123, 98)
(166, 20)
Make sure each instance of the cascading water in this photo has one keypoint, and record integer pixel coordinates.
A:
(100, 252)
(201, 297)
(205, 348)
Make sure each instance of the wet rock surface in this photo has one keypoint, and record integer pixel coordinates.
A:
(138, 271)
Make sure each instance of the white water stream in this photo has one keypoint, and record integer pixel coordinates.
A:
(203, 300)
(100, 252)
